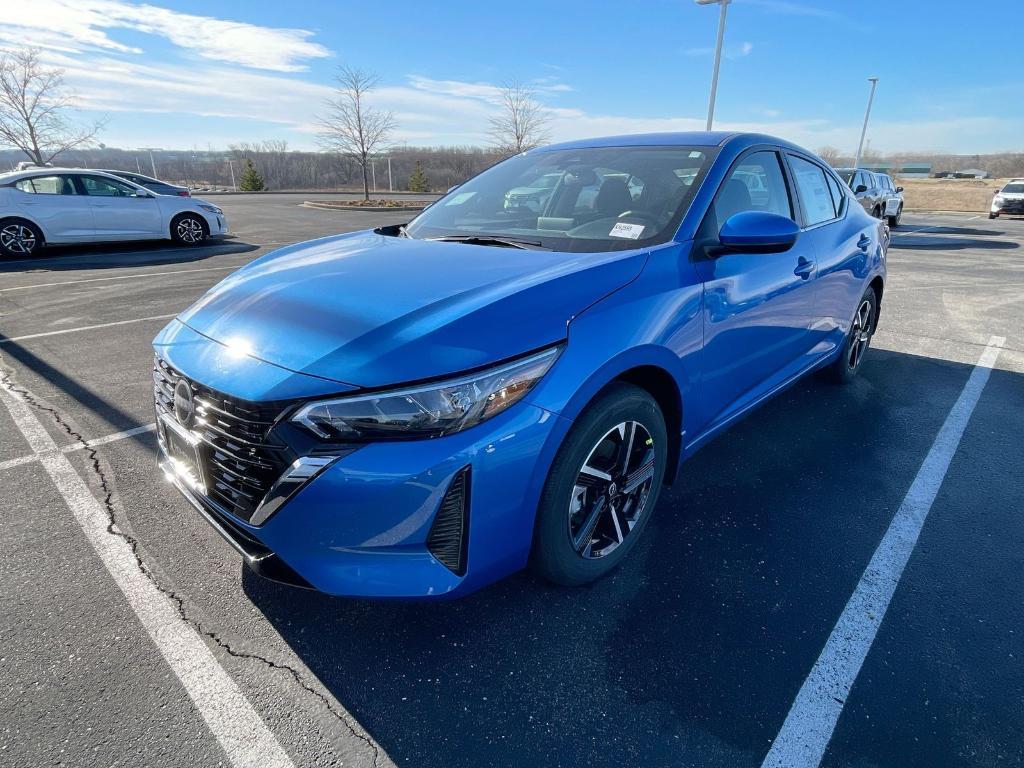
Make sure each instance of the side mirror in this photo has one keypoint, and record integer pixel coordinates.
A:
(899, 189)
(758, 232)
(860, 188)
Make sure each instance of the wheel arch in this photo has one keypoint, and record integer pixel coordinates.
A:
(195, 214)
(27, 220)
(652, 368)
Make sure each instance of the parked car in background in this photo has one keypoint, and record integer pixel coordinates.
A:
(892, 199)
(50, 206)
(865, 188)
(1008, 200)
(153, 185)
(522, 392)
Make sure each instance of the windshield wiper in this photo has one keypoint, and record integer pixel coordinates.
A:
(503, 242)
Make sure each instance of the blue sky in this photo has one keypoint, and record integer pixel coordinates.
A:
(186, 74)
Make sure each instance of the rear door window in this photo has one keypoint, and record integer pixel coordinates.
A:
(815, 197)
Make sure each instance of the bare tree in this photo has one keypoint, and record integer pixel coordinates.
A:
(521, 123)
(351, 127)
(829, 154)
(34, 107)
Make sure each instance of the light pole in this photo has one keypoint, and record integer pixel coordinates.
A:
(152, 164)
(231, 167)
(718, 55)
(391, 185)
(867, 114)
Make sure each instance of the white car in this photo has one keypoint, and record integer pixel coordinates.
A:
(50, 206)
(1008, 200)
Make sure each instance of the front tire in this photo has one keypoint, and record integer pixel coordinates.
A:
(894, 221)
(845, 367)
(993, 215)
(601, 488)
(19, 239)
(189, 229)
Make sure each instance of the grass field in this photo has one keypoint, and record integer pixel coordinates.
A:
(974, 195)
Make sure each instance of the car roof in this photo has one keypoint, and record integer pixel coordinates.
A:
(13, 176)
(137, 175)
(680, 139)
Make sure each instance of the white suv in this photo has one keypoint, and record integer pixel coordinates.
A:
(69, 205)
(1009, 200)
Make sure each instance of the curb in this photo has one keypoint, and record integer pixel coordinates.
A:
(362, 208)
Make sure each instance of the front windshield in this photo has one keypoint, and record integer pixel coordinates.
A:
(592, 199)
(1014, 189)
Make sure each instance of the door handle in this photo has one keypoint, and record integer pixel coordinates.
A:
(864, 242)
(804, 268)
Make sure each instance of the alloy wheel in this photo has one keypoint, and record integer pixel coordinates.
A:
(611, 490)
(860, 334)
(17, 238)
(189, 230)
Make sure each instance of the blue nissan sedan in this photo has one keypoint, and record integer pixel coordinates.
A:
(417, 411)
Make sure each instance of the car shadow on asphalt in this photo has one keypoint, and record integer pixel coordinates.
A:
(88, 399)
(925, 242)
(120, 255)
(688, 654)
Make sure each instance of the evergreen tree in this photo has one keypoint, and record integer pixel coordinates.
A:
(418, 181)
(251, 180)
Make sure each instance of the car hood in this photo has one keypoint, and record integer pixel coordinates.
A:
(370, 310)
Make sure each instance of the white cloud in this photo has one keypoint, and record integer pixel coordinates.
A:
(77, 25)
(240, 104)
(729, 51)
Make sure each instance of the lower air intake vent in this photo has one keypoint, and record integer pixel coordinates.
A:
(448, 535)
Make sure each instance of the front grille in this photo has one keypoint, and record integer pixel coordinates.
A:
(447, 540)
(240, 462)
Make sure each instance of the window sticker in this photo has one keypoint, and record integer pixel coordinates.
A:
(629, 231)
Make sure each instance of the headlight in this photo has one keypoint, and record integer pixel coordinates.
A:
(431, 410)
(211, 208)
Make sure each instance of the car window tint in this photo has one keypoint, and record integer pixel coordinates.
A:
(755, 183)
(838, 196)
(815, 198)
(46, 185)
(100, 187)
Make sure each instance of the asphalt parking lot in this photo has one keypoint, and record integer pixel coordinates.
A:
(693, 654)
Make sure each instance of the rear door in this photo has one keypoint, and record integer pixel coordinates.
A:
(119, 211)
(842, 241)
(53, 202)
(758, 307)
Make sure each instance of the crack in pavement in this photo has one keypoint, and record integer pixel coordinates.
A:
(92, 455)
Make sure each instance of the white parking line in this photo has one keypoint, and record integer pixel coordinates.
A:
(808, 727)
(230, 717)
(86, 328)
(9, 463)
(119, 277)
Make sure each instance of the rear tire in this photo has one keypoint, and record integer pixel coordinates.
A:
(845, 367)
(189, 229)
(601, 488)
(19, 239)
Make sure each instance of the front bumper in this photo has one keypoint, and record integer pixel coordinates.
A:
(361, 526)
(1013, 207)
